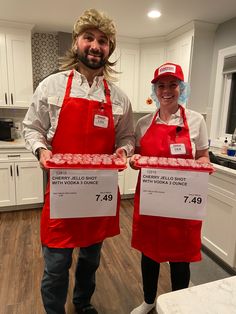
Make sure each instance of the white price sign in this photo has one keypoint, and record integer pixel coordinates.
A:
(173, 193)
(83, 193)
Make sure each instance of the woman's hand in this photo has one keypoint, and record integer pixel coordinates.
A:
(121, 153)
(132, 161)
(202, 156)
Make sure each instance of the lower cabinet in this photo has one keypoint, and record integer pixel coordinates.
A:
(127, 180)
(219, 232)
(121, 181)
(21, 181)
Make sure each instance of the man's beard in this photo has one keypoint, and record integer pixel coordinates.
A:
(92, 64)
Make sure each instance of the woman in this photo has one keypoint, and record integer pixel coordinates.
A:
(162, 239)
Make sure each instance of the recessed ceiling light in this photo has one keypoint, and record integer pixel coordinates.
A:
(154, 14)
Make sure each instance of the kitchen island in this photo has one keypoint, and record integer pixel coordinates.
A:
(210, 298)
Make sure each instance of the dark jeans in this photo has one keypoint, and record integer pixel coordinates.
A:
(55, 279)
(180, 276)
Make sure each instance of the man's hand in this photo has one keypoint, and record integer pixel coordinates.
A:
(44, 155)
(121, 153)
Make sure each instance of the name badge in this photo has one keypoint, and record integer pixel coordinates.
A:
(100, 121)
(177, 149)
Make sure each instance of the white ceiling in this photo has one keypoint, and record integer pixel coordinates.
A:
(129, 15)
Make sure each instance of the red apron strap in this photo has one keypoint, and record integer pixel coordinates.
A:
(183, 115)
(155, 116)
(107, 92)
(68, 85)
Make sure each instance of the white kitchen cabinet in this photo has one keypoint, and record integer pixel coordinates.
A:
(7, 190)
(130, 180)
(178, 50)
(127, 57)
(115, 57)
(121, 181)
(219, 232)
(16, 83)
(129, 77)
(127, 180)
(21, 179)
(150, 59)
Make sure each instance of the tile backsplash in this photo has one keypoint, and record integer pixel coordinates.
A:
(44, 55)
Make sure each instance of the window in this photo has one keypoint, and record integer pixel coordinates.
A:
(231, 117)
(223, 122)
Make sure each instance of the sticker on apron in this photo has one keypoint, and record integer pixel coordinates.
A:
(100, 121)
(177, 149)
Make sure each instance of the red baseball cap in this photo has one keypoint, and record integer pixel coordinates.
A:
(168, 69)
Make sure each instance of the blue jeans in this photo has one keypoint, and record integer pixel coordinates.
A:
(55, 279)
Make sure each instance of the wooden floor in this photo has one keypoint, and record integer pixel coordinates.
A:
(119, 287)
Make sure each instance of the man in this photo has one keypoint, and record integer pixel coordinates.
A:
(62, 119)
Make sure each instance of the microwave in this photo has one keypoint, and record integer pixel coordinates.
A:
(7, 130)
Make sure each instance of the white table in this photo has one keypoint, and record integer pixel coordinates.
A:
(217, 297)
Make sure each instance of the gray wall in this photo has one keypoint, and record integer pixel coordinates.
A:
(225, 37)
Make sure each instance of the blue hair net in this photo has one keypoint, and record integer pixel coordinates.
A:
(183, 96)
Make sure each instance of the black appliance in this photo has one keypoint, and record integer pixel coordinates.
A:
(7, 130)
(222, 161)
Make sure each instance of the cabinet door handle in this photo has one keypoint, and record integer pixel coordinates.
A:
(11, 171)
(17, 171)
(17, 155)
(6, 98)
(11, 98)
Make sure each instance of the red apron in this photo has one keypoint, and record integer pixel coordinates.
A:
(160, 238)
(76, 133)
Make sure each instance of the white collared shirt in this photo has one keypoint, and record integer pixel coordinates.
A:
(40, 122)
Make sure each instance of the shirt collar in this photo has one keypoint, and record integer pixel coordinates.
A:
(81, 78)
(175, 115)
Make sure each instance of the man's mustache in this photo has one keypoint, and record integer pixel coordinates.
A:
(94, 53)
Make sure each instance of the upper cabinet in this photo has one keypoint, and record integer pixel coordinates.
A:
(178, 50)
(129, 67)
(16, 83)
(126, 56)
(150, 58)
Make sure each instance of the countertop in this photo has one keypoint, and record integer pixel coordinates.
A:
(225, 170)
(225, 156)
(217, 297)
(18, 143)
